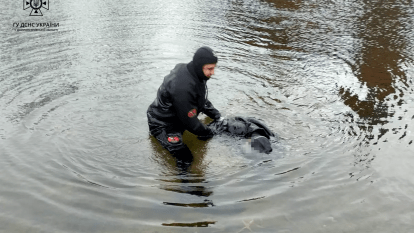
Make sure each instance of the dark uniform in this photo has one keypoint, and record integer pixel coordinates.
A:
(246, 127)
(180, 99)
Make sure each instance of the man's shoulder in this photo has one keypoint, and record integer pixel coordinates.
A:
(179, 79)
(183, 75)
(180, 65)
(179, 68)
(174, 73)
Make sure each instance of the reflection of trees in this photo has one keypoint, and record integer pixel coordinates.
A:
(285, 4)
(377, 65)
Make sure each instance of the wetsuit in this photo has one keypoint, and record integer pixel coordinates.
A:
(180, 99)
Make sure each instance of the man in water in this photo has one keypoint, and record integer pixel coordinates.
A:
(180, 99)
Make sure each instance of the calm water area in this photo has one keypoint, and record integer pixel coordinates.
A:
(332, 79)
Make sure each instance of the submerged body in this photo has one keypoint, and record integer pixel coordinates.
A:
(246, 127)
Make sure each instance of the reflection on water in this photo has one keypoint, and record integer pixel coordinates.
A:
(378, 65)
(196, 224)
(332, 79)
(185, 173)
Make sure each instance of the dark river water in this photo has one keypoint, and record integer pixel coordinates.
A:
(333, 80)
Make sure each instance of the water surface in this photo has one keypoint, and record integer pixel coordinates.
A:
(333, 80)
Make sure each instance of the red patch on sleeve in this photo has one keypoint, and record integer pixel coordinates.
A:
(192, 113)
(173, 139)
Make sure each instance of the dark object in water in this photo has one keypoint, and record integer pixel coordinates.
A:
(247, 127)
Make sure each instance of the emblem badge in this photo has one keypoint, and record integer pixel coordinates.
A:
(192, 113)
(173, 139)
(36, 5)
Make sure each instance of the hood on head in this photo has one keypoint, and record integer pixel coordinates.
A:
(203, 55)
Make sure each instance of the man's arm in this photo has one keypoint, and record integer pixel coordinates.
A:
(185, 106)
(211, 111)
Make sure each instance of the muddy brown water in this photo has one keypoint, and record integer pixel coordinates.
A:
(333, 80)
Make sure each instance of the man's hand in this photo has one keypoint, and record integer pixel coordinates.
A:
(207, 136)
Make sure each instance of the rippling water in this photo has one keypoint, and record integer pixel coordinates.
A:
(333, 79)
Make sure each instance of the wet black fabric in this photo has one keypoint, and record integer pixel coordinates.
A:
(171, 145)
(182, 97)
(246, 127)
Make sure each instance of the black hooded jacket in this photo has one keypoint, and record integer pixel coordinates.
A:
(182, 97)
